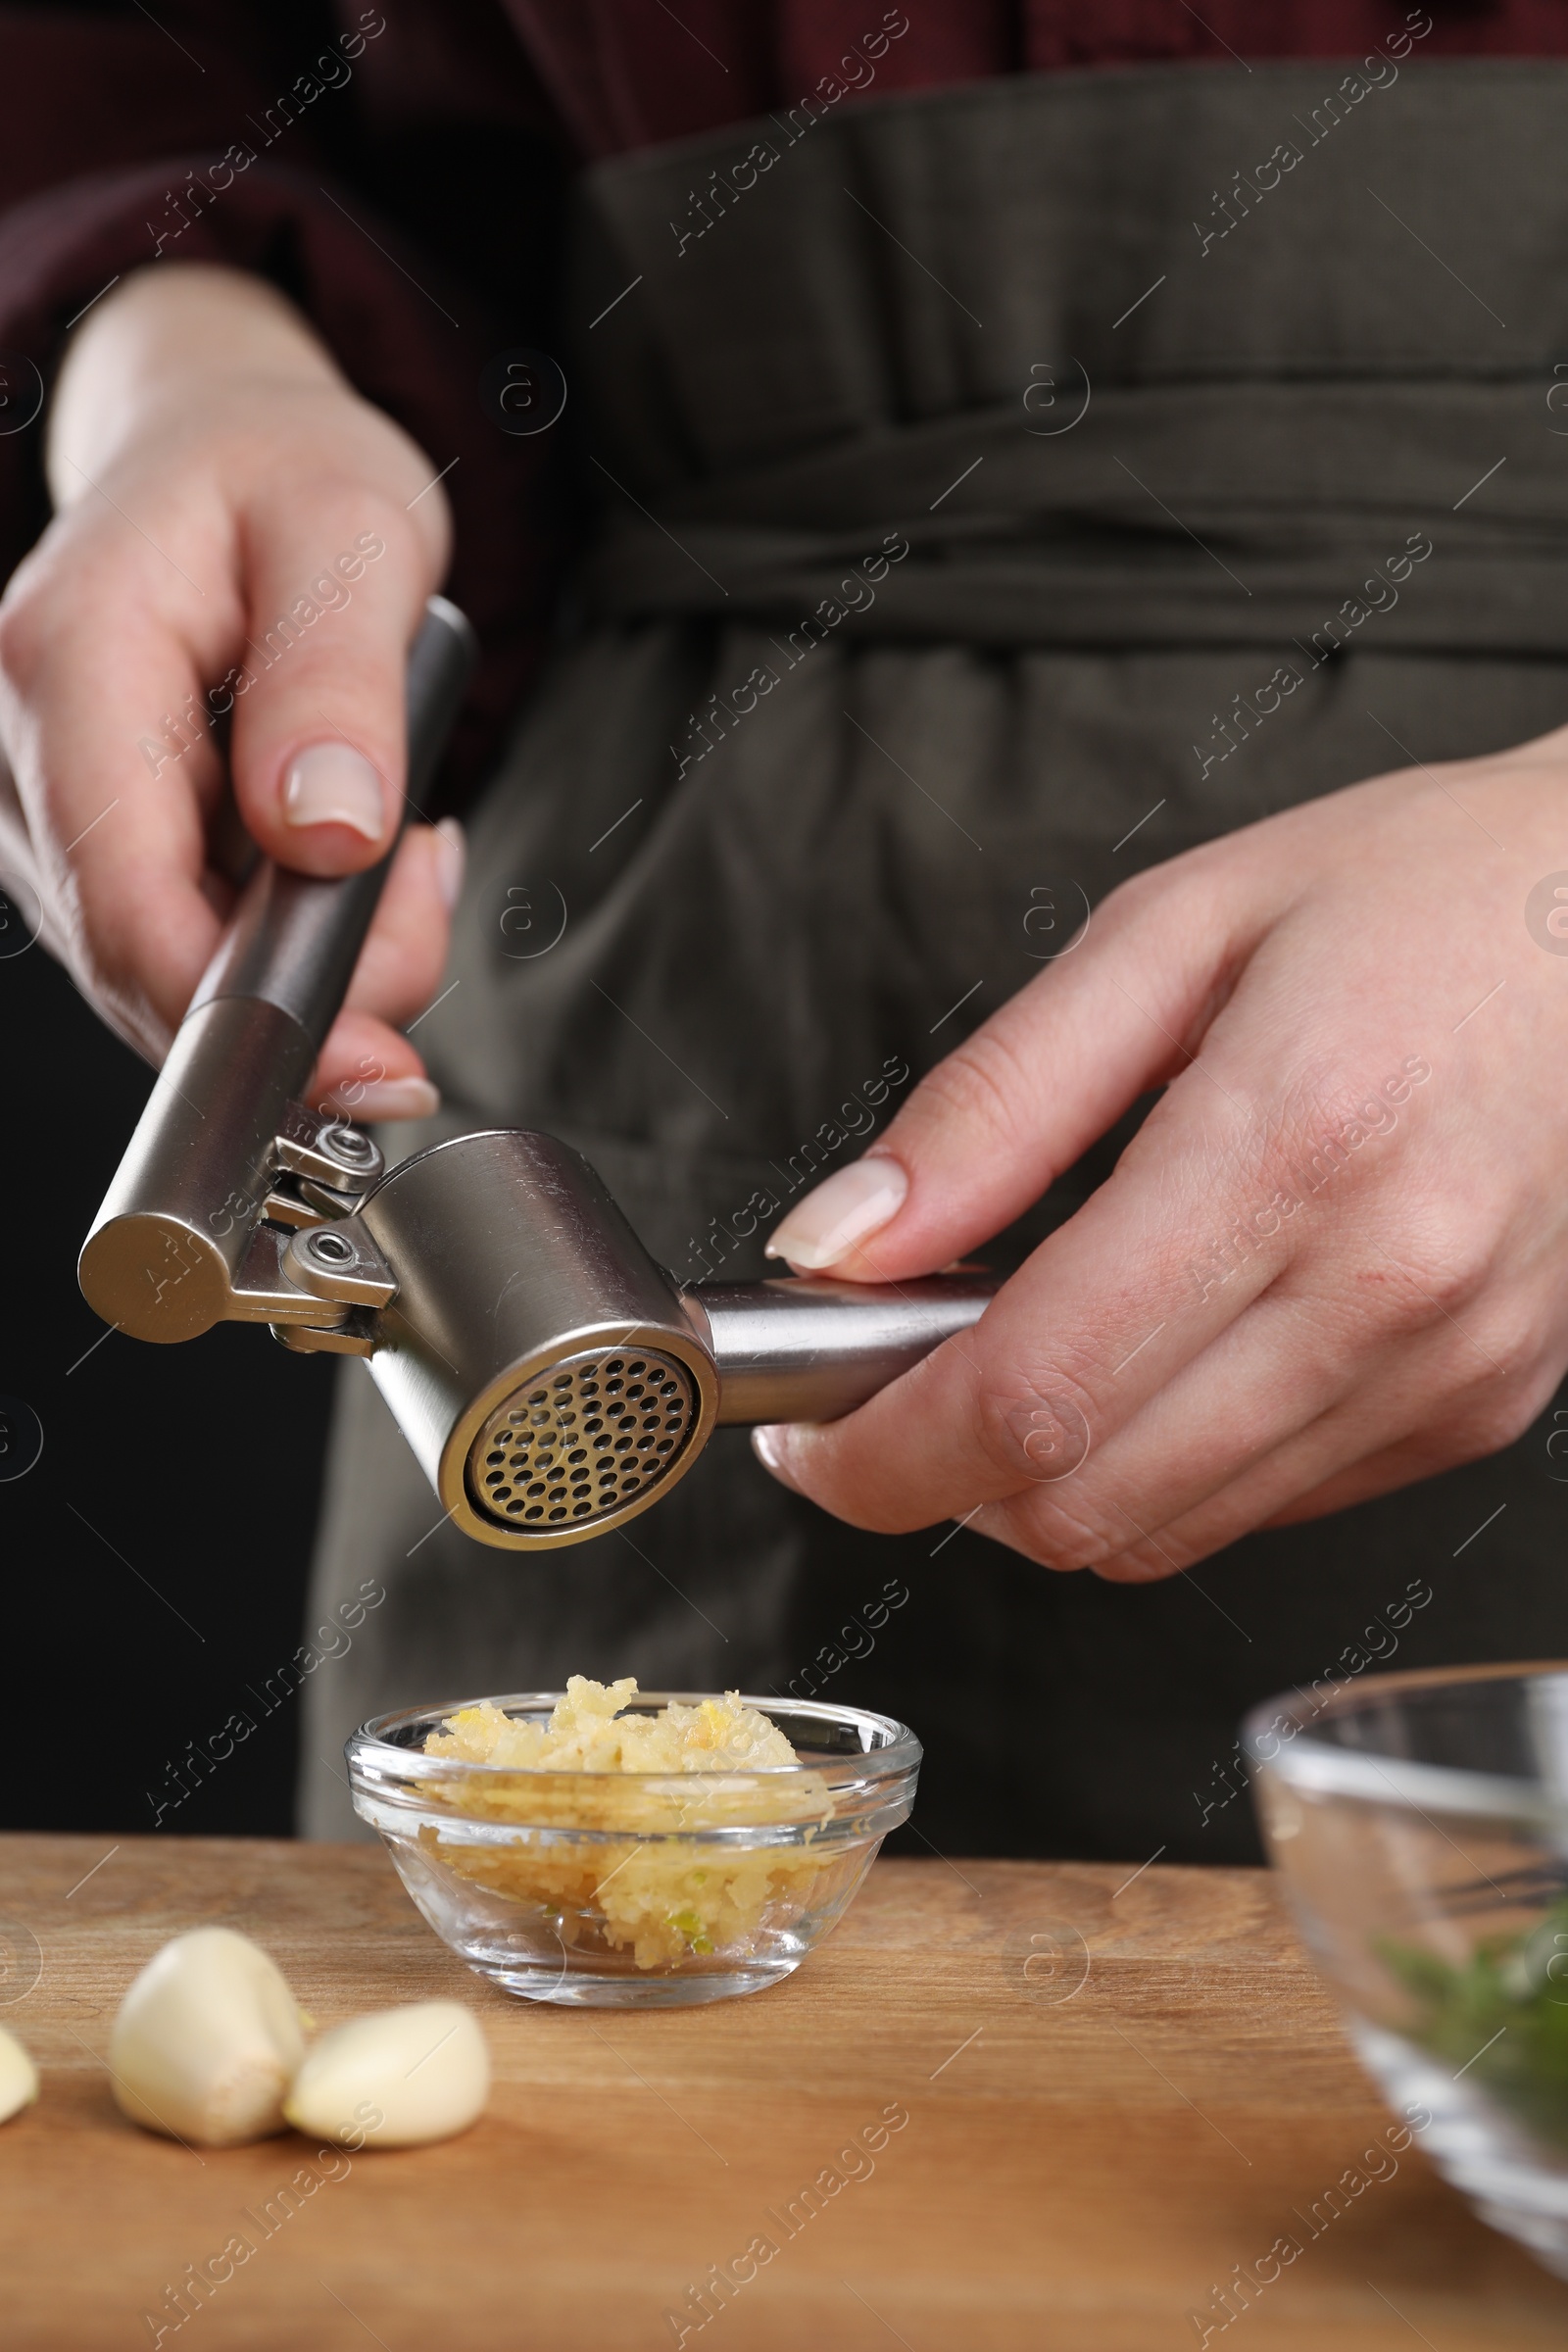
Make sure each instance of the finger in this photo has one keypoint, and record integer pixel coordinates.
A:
(1421, 1454)
(1103, 1315)
(1383, 1473)
(367, 1069)
(1279, 1370)
(1148, 1555)
(28, 910)
(112, 796)
(1327, 1449)
(1389, 1435)
(1298, 1390)
(1220, 1191)
(405, 952)
(991, 1127)
(335, 579)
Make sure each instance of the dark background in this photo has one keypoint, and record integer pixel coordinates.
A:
(153, 1561)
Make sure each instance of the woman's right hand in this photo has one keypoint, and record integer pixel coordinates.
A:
(221, 493)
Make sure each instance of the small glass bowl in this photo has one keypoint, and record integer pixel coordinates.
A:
(633, 1888)
(1420, 1821)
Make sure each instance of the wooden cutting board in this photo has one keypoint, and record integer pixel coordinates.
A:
(1095, 2133)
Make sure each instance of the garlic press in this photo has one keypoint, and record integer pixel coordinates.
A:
(551, 1378)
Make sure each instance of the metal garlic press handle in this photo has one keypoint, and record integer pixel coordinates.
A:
(179, 1245)
(812, 1350)
(293, 941)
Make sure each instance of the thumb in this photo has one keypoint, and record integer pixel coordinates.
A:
(318, 753)
(991, 1127)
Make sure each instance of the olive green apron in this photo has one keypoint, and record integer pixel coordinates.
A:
(1002, 491)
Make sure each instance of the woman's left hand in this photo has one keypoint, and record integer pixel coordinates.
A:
(1335, 1257)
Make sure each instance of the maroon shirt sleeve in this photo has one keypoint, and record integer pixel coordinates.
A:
(410, 213)
(628, 74)
(406, 329)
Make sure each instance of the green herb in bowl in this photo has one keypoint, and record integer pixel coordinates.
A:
(1501, 2016)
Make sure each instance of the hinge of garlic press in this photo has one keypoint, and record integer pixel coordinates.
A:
(324, 1169)
(311, 1270)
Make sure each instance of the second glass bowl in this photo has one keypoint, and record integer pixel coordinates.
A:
(615, 1889)
(1420, 1821)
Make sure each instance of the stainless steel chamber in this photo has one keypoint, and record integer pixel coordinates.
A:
(550, 1378)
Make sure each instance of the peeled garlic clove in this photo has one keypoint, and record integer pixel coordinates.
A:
(18, 2078)
(393, 2080)
(207, 2041)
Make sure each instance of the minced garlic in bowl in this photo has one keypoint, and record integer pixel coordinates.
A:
(588, 1732)
(605, 1845)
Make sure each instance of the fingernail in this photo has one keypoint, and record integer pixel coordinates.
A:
(451, 856)
(771, 1449)
(391, 1098)
(333, 784)
(851, 1206)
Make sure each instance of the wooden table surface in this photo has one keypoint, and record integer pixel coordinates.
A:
(1075, 2173)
